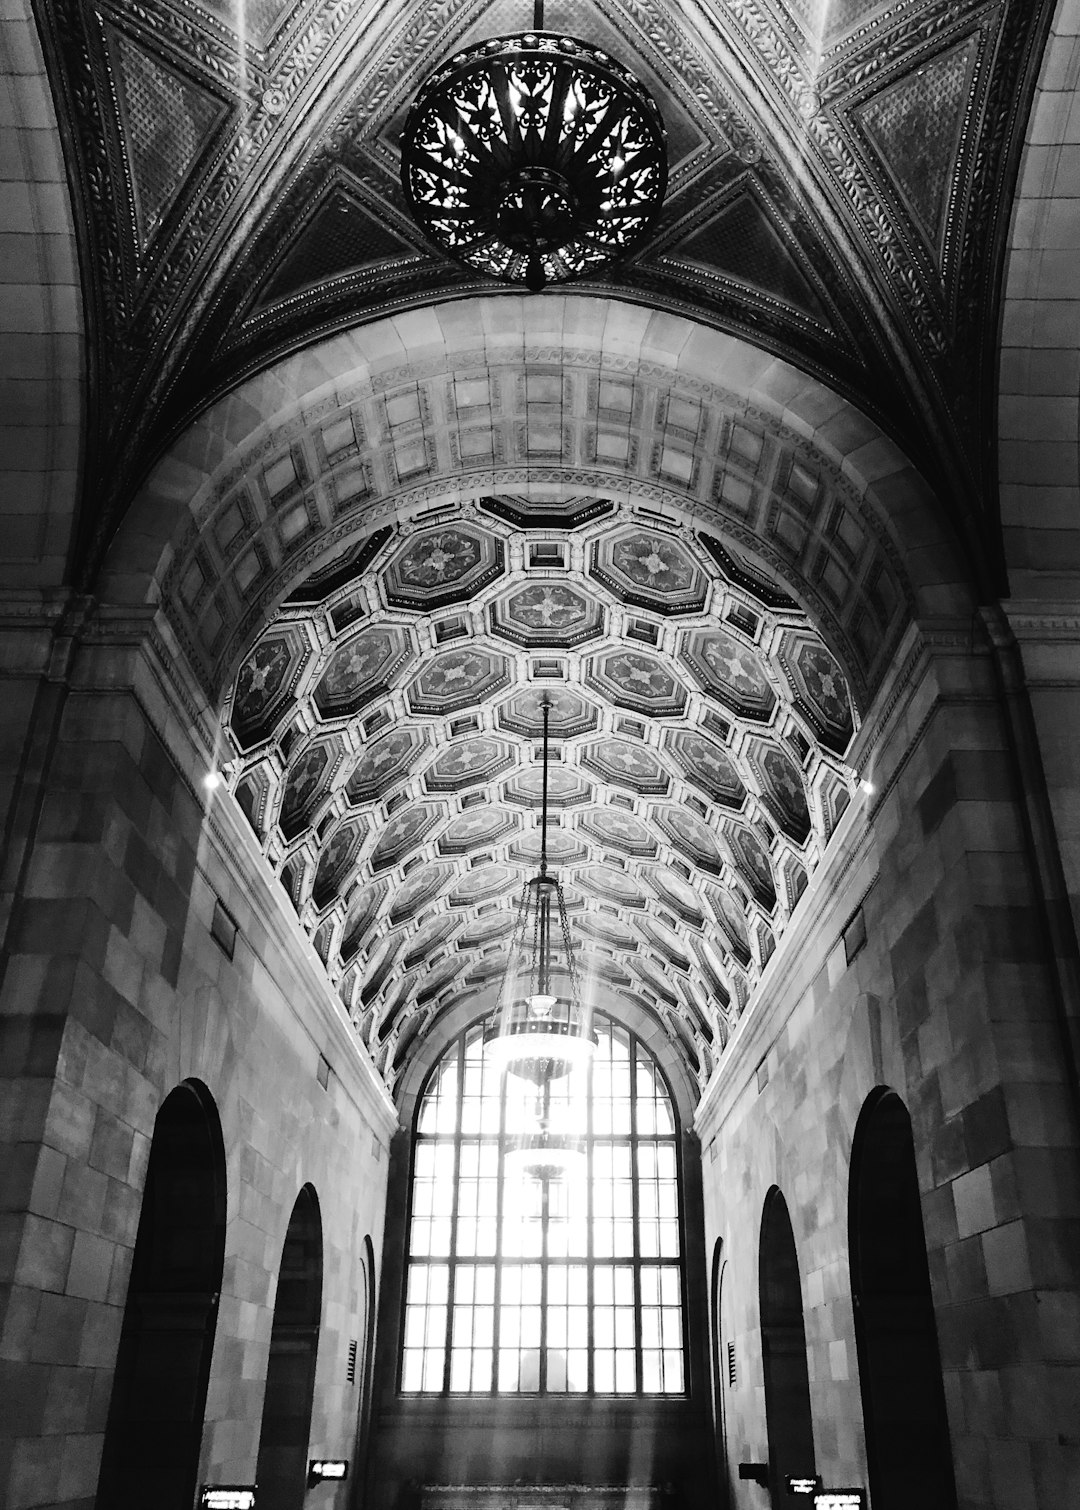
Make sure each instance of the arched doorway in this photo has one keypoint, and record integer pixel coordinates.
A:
(783, 1350)
(290, 1372)
(908, 1451)
(155, 1420)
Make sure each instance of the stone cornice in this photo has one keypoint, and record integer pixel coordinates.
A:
(1031, 620)
(235, 844)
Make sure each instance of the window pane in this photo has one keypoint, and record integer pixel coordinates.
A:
(657, 1200)
(425, 1327)
(473, 1328)
(653, 1105)
(438, 1110)
(625, 1373)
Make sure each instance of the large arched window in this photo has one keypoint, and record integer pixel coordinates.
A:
(511, 1292)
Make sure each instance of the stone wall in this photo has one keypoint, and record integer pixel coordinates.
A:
(114, 990)
(953, 1002)
(42, 348)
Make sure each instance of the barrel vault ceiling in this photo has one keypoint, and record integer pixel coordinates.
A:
(839, 175)
(384, 736)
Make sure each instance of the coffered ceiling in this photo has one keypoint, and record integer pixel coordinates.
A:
(402, 555)
(385, 737)
(838, 171)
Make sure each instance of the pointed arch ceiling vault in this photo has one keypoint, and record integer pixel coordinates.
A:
(837, 175)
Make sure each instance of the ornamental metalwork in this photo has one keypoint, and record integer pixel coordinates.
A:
(534, 158)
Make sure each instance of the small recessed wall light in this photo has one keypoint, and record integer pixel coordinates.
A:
(212, 780)
(867, 786)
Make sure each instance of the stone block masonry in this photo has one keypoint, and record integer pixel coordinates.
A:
(113, 992)
(950, 1003)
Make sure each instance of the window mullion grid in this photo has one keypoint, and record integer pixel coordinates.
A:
(590, 1255)
(684, 1312)
(545, 1258)
(639, 1367)
(500, 1197)
(451, 1278)
(632, 1139)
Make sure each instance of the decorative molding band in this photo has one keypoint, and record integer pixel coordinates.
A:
(1054, 622)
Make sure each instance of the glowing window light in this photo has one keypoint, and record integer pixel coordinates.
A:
(561, 1286)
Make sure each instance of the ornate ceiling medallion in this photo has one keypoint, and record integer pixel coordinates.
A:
(534, 158)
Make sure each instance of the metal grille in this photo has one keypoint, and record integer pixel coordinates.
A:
(342, 236)
(914, 123)
(741, 242)
(168, 122)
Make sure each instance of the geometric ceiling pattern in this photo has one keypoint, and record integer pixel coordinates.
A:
(387, 757)
(836, 176)
(578, 432)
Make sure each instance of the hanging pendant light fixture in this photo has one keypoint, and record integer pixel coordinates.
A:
(534, 157)
(541, 1030)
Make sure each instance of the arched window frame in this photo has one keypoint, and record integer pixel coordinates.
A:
(647, 1319)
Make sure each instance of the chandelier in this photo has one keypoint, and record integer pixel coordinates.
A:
(541, 1030)
(534, 157)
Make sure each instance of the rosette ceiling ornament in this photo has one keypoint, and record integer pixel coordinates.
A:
(534, 158)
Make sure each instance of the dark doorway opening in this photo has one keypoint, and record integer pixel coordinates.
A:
(783, 1346)
(290, 1372)
(155, 1422)
(908, 1450)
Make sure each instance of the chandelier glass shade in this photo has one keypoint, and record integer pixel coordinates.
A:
(534, 158)
(541, 1031)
